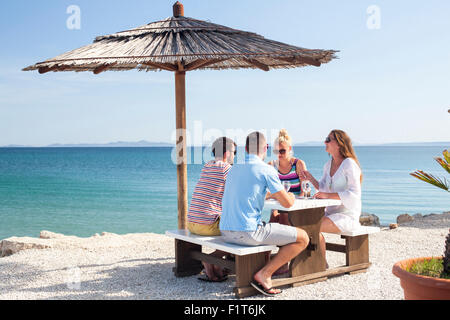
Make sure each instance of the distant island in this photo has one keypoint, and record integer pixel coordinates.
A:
(392, 144)
(418, 144)
(117, 144)
(144, 143)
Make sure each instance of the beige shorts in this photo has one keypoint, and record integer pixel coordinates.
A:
(205, 229)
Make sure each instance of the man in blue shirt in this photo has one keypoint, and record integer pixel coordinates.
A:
(242, 204)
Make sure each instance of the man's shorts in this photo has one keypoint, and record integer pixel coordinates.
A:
(205, 229)
(266, 233)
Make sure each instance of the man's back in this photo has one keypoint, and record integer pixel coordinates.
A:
(206, 203)
(245, 191)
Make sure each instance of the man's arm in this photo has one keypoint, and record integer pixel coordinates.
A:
(285, 199)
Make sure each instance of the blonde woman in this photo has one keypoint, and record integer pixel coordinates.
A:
(341, 180)
(288, 168)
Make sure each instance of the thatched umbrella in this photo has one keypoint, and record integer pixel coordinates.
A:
(181, 44)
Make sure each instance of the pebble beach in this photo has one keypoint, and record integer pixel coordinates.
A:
(139, 267)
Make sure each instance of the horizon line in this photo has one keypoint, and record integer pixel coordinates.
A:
(143, 143)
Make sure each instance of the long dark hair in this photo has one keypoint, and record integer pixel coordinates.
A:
(345, 146)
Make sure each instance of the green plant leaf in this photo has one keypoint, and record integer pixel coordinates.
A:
(429, 178)
(444, 163)
(419, 174)
(446, 154)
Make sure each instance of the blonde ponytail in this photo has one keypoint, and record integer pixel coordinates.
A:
(283, 136)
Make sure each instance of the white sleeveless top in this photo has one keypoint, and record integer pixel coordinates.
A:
(347, 184)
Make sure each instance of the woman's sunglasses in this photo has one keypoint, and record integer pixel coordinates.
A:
(328, 140)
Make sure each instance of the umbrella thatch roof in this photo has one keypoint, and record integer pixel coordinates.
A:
(183, 44)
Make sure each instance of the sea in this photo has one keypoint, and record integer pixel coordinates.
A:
(84, 191)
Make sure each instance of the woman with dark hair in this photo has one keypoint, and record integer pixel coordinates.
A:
(341, 180)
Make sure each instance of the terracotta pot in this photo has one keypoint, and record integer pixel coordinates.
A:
(417, 287)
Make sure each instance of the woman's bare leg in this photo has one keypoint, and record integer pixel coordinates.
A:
(212, 271)
(326, 225)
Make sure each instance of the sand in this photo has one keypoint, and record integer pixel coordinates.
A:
(139, 266)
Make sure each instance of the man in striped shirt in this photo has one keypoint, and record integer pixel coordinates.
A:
(206, 203)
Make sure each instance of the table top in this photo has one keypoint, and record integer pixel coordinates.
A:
(301, 204)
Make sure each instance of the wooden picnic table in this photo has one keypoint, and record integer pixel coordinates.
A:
(310, 265)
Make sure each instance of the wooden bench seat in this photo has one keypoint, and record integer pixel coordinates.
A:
(362, 230)
(216, 242)
(247, 259)
(356, 247)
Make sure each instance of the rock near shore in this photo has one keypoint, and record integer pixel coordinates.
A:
(367, 219)
(14, 244)
(404, 218)
(49, 240)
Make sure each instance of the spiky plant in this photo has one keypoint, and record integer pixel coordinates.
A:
(446, 260)
(429, 178)
(443, 184)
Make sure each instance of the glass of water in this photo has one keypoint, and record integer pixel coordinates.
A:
(286, 185)
(306, 189)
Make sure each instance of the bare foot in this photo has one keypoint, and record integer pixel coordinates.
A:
(266, 281)
(209, 270)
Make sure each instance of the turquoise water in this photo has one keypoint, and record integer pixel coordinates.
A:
(83, 191)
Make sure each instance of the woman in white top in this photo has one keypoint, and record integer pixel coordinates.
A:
(341, 180)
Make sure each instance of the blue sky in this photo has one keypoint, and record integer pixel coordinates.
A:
(389, 84)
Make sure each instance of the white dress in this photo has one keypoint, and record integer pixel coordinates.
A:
(347, 184)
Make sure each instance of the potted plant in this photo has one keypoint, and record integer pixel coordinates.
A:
(429, 277)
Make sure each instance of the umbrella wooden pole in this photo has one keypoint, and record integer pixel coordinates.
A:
(180, 104)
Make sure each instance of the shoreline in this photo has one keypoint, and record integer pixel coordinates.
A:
(402, 219)
(139, 266)
(49, 239)
(366, 219)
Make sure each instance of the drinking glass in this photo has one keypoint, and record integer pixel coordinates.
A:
(306, 188)
(286, 185)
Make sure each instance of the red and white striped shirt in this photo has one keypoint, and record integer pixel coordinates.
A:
(206, 202)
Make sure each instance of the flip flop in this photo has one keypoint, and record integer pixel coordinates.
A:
(258, 286)
(205, 278)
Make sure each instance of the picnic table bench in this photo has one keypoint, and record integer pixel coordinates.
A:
(247, 259)
(308, 267)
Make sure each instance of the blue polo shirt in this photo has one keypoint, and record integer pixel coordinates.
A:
(245, 192)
